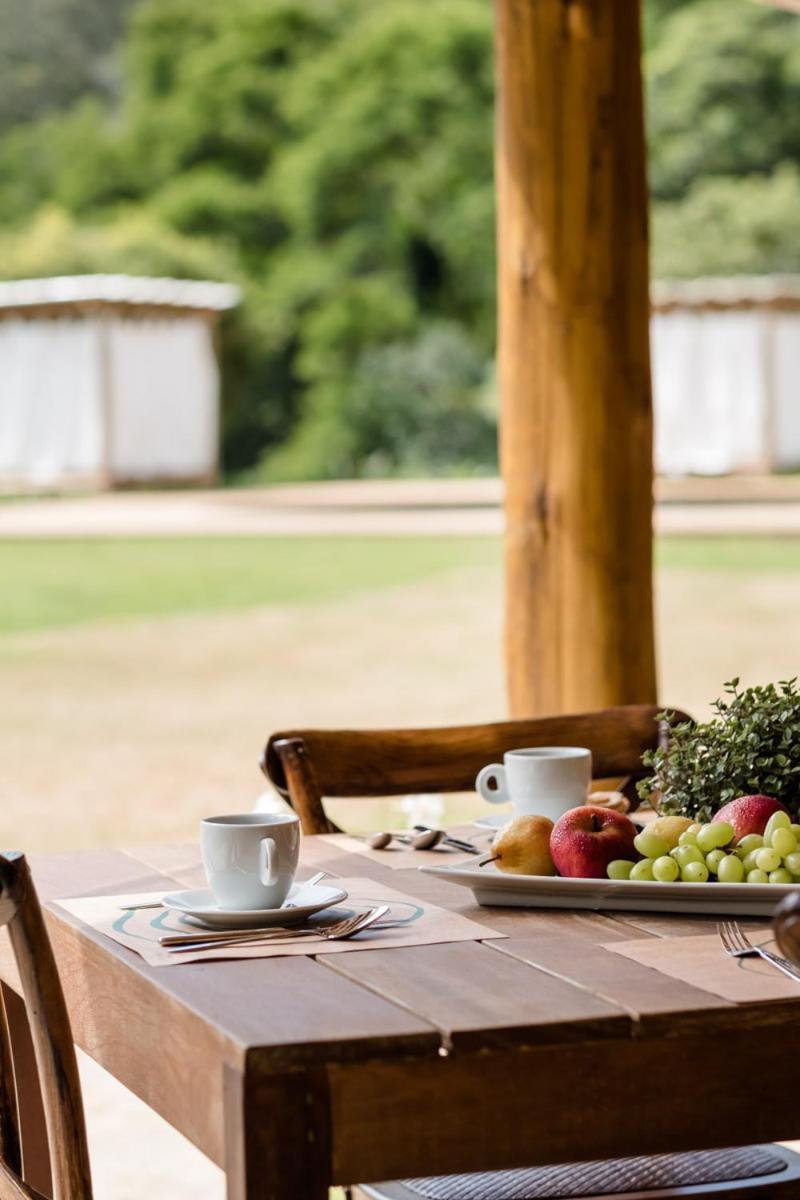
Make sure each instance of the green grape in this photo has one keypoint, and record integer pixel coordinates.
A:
(713, 837)
(751, 841)
(665, 869)
(713, 859)
(792, 863)
(688, 838)
(730, 869)
(784, 842)
(778, 820)
(767, 859)
(683, 855)
(749, 861)
(757, 876)
(620, 868)
(694, 872)
(781, 876)
(650, 844)
(796, 831)
(642, 870)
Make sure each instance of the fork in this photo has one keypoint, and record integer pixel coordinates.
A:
(340, 931)
(737, 944)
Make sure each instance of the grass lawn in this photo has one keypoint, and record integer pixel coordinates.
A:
(60, 583)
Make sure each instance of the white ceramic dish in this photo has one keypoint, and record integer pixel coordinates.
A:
(494, 820)
(302, 902)
(491, 886)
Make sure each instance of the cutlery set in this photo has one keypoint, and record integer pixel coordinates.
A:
(182, 943)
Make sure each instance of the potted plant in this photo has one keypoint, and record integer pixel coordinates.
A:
(751, 746)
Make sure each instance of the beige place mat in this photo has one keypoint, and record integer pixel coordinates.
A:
(702, 962)
(414, 924)
(398, 857)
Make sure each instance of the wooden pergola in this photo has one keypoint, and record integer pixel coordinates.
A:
(576, 421)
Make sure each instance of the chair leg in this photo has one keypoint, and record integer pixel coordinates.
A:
(35, 1152)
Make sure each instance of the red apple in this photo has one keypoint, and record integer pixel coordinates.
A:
(749, 814)
(586, 839)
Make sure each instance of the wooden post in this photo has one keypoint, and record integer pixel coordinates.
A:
(576, 421)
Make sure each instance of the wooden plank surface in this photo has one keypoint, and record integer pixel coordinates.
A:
(480, 999)
(472, 1112)
(291, 1010)
(533, 998)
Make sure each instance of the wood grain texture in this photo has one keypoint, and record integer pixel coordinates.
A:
(291, 1011)
(553, 1104)
(277, 1135)
(10, 1142)
(306, 765)
(573, 355)
(33, 1127)
(50, 1033)
(477, 998)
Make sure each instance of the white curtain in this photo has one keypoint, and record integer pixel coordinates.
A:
(164, 398)
(785, 425)
(51, 426)
(709, 391)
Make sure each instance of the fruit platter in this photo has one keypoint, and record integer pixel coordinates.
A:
(741, 862)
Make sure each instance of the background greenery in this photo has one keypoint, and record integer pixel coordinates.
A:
(334, 157)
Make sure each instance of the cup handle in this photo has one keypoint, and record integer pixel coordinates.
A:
(494, 774)
(268, 867)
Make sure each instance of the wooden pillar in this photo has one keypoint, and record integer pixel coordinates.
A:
(576, 420)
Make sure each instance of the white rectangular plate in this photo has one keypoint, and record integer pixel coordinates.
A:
(491, 886)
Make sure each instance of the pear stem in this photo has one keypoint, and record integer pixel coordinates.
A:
(486, 861)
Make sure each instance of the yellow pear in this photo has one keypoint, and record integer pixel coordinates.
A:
(523, 848)
(669, 828)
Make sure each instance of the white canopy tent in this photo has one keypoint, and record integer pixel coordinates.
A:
(108, 379)
(726, 375)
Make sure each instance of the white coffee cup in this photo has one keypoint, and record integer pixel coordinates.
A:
(250, 858)
(547, 780)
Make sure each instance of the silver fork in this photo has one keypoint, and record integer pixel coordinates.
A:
(737, 944)
(338, 932)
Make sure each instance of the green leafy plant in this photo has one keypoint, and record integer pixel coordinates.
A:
(750, 746)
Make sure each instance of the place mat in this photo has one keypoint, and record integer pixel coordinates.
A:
(403, 858)
(701, 961)
(413, 924)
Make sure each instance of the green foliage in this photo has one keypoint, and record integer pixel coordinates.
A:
(751, 746)
(335, 158)
(730, 226)
(723, 91)
(413, 408)
(53, 52)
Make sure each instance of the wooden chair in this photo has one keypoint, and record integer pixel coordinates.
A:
(53, 1046)
(305, 766)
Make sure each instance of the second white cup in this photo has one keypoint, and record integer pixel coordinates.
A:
(547, 780)
(250, 858)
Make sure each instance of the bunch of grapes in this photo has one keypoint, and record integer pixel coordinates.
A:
(708, 852)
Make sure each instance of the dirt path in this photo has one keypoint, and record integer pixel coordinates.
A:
(769, 505)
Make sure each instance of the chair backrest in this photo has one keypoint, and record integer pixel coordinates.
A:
(53, 1047)
(306, 765)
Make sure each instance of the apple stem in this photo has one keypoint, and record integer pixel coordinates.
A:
(486, 861)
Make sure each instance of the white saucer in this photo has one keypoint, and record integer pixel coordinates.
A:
(493, 820)
(302, 902)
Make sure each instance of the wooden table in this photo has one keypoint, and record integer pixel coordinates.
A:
(297, 1073)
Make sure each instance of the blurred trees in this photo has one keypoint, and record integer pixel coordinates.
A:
(334, 157)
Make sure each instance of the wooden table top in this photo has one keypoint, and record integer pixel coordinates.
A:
(548, 984)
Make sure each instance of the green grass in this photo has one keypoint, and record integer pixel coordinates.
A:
(52, 584)
(754, 554)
